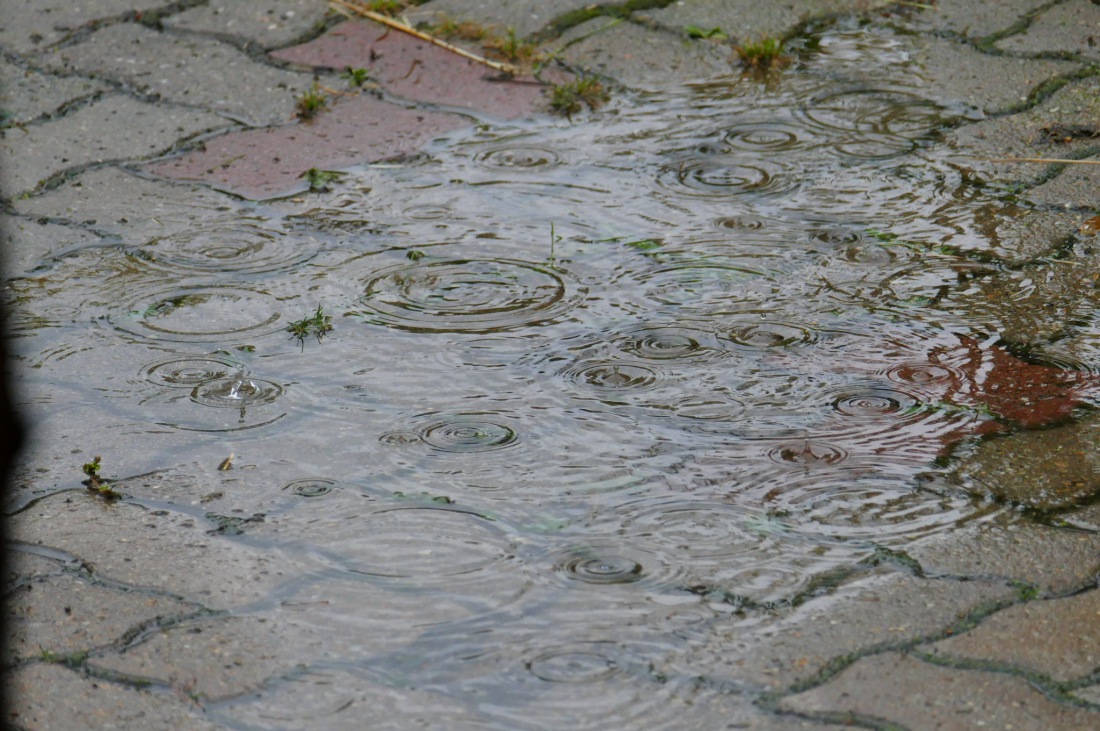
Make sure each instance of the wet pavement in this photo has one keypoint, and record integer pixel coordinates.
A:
(128, 124)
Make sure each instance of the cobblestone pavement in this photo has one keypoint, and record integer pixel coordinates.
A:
(125, 118)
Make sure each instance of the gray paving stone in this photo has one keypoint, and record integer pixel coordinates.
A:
(133, 208)
(1074, 187)
(52, 697)
(903, 690)
(957, 71)
(748, 20)
(168, 65)
(642, 58)
(880, 611)
(27, 243)
(1056, 561)
(1056, 638)
(972, 18)
(28, 94)
(114, 128)
(1048, 469)
(225, 657)
(522, 16)
(33, 25)
(1089, 694)
(268, 23)
(127, 543)
(67, 614)
(1070, 27)
(24, 567)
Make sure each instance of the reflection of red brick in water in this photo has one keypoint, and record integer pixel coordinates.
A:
(1022, 393)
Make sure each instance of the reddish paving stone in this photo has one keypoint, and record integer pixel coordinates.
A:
(918, 695)
(265, 163)
(1056, 638)
(414, 69)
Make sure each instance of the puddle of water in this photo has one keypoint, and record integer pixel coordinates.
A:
(589, 385)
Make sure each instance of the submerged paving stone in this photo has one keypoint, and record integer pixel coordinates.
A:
(50, 697)
(128, 543)
(168, 65)
(1056, 638)
(135, 209)
(903, 690)
(28, 243)
(68, 614)
(265, 163)
(881, 611)
(28, 94)
(1069, 27)
(268, 23)
(1055, 560)
(415, 69)
(1047, 469)
(23, 566)
(643, 58)
(114, 128)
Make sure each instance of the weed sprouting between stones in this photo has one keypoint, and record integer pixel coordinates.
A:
(310, 103)
(569, 98)
(97, 484)
(319, 179)
(763, 55)
(318, 325)
(356, 77)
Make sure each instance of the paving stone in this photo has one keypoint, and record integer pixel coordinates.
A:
(67, 614)
(1074, 187)
(1056, 638)
(525, 18)
(1030, 134)
(1070, 27)
(414, 69)
(119, 203)
(956, 71)
(268, 23)
(168, 66)
(114, 128)
(642, 58)
(1047, 469)
(33, 25)
(51, 697)
(265, 163)
(903, 690)
(28, 94)
(1089, 694)
(219, 658)
(973, 18)
(1055, 560)
(26, 243)
(749, 20)
(879, 611)
(24, 566)
(127, 543)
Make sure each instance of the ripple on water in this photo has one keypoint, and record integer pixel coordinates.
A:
(236, 245)
(714, 176)
(310, 487)
(469, 296)
(200, 314)
(668, 343)
(465, 433)
(599, 563)
(512, 157)
(769, 334)
(769, 136)
(872, 123)
(187, 372)
(609, 378)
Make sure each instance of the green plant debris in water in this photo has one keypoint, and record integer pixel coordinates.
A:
(97, 484)
(318, 325)
(319, 179)
(644, 244)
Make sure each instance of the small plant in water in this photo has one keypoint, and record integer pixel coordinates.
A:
(310, 103)
(569, 98)
(95, 483)
(356, 77)
(762, 55)
(318, 325)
